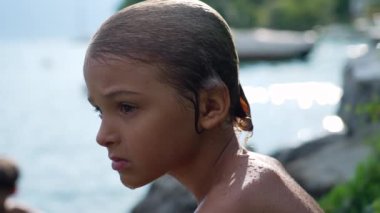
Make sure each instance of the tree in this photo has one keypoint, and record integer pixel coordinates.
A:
(280, 14)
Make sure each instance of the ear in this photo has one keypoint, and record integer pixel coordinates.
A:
(214, 105)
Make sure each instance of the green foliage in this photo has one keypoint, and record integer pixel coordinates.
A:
(376, 205)
(280, 14)
(126, 3)
(362, 193)
(342, 9)
(370, 109)
(301, 15)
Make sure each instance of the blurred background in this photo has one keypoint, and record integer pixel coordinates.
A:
(293, 56)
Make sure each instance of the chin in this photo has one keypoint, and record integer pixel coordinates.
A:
(133, 184)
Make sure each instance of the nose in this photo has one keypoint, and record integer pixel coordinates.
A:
(107, 135)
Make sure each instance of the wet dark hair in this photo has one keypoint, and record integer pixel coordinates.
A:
(189, 39)
(9, 174)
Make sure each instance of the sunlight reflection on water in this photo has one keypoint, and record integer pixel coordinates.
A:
(304, 93)
(295, 101)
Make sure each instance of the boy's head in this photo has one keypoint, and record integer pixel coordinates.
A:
(188, 40)
(9, 174)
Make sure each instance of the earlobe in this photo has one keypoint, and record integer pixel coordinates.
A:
(214, 106)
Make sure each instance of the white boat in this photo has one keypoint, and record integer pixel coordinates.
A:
(268, 44)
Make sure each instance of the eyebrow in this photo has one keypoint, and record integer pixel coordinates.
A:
(114, 94)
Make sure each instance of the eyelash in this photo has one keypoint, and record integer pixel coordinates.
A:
(124, 108)
(99, 111)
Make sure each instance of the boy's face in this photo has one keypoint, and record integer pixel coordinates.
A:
(145, 128)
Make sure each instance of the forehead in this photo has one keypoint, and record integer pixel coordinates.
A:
(104, 76)
(109, 66)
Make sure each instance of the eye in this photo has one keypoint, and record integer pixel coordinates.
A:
(99, 111)
(126, 108)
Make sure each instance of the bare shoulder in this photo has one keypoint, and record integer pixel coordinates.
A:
(273, 189)
(260, 184)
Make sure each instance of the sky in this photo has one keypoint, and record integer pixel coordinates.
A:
(53, 18)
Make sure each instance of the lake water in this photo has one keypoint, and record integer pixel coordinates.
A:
(48, 127)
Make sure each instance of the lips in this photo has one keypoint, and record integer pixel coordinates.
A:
(119, 164)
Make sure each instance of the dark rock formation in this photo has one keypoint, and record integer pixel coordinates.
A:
(361, 85)
(323, 163)
(167, 195)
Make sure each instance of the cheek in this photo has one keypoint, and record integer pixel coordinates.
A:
(156, 154)
(166, 141)
(162, 143)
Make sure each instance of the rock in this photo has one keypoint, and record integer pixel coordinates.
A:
(167, 195)
(325, 162)
(361, 85)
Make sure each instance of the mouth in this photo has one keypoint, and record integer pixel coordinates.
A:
(119, 164)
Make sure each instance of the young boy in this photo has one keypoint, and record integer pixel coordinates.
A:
(163, 75)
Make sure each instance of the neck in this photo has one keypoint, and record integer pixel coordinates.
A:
(218, 148)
